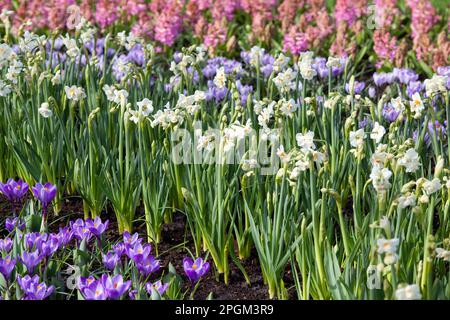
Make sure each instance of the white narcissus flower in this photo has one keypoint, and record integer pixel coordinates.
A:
(443, 254)
(220, 80)
(284, 157)
(397, 104)
(387, 246)
(357, 138)
(199, 96)
(145, 108)
(306, 141)
(416, 104)
(288, 108)
(432, 186)
(45, 111)
(390, 258)
(333, 62)
(74, 93)
(410, 160)
(5, 54)
(408, 200)
(409, 292)
(378, 132)
(120, 96)
(435, 85)
(285, 81)
(380, 178)
(5, 89)
(280, 63)
(109, 92)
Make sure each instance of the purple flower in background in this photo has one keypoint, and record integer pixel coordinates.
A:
(115, 286)
(7, 265)
(195, 269)
(383, 78)
(389, 113)
(110, 260)
(320, 65)
(244, 91)
(33, 289)
(13, 190)
(31, 260)
(6, 245)
(372, 92)
(12, 223)
(158, 286)
(44, 193)
(358, 87)
(363, 123)
(148, 265)
(96, 226)
(414, 87)
(405, 76)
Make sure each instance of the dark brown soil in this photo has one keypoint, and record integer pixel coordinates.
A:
(176, 240)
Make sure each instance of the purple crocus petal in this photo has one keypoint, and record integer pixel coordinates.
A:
(31, 260)
(13, 190)
(7, 265)
(158, 286)
(96, 291)
(44, 193)
(195, 269)
(96, 226)
(115, 286)
(6, 245)
(148, 265)
(110, 260)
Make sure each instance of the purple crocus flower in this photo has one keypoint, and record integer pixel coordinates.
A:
(35, 239)
(33, 289)
(44, 193)
(414, 87)
(158, 286)
(130, 240)
(95, 291)
(80, 230)
(64, 236)
(119, 248)
(148, 265)
(6, 245)
(96, 226)
(138, 252)
(84, 282)
(31, 259)
(195, 269)
(7, 265)
(13, 190)
(132, 294)
(115, 286)
(110, 260)
(12, 223)
(49, 247)
(389, 113)
(358, 87)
